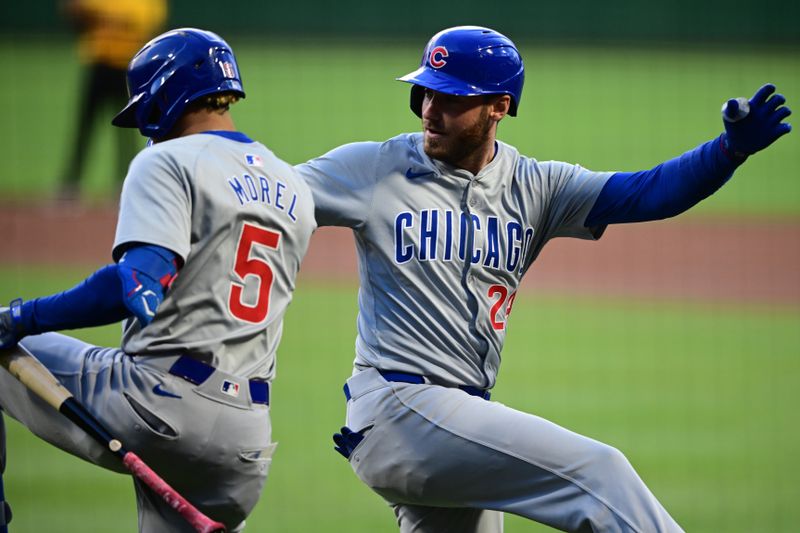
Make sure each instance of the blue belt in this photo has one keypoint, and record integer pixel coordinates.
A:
(197, 372)
(402, 377)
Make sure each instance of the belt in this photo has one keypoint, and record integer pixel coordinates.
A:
(403, 377)
(197, 372)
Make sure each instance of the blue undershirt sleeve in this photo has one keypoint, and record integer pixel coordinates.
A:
(134, 287)
(94, 302)
(665, 190)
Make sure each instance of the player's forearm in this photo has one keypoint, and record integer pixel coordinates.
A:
(665, 190)
(675, 186)
(94, 302)
(134, 287)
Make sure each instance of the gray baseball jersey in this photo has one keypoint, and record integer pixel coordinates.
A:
(442, 252)
(241, 222)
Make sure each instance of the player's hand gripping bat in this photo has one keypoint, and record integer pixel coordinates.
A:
(34, 375)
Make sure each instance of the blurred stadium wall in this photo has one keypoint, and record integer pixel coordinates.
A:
(673, 21)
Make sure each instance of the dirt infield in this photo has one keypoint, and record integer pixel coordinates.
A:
(746, 261)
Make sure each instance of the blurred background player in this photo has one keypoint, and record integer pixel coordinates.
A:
(109, 34)
(211, 231)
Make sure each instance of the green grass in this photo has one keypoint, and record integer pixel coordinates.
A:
(702, 400)
(605, 108)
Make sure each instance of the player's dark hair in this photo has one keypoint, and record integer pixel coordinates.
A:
(219, 102)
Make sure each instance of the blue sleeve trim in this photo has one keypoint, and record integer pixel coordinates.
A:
(146, 272)
(158, 263)
(232, 135)
(665, 190)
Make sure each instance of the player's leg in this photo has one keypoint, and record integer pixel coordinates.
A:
(127, 143)
(115, 97)
(156, 516)
(229, 443)
(89, 96)
(227, 439)
(419, 518)
(64, 357)
(439, 447)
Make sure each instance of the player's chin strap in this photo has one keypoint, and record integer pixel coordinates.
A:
(5, 510)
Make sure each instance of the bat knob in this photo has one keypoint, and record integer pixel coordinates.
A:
(114, 445)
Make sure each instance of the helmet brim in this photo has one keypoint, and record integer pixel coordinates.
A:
(441, 82)
(127, 117)
(425, 78)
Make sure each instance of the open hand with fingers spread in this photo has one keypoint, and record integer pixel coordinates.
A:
(752, 125)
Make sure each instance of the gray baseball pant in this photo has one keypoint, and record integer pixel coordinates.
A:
(213, 449)
(448, 461)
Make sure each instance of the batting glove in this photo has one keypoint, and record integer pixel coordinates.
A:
(347, 440)
(11, 330)
(752, 125)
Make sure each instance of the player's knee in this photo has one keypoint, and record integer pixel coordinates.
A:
(608, 460)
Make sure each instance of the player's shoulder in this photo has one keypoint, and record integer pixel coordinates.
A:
(405, 142)
(152, 157)
(173, 149)
(278, 167)
(531, 167)
(402, 152)
(353, 152)
(363, 151)
(524, 167)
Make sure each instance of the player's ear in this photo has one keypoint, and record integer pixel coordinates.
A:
(499, 106)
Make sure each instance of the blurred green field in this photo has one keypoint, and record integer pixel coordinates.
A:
(702, 400)
(605, 108)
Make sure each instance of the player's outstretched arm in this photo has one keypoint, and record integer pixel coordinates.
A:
(676, 185)
(135, 286)
(752, 125)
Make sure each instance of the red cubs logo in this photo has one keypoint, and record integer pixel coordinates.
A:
(436, 57)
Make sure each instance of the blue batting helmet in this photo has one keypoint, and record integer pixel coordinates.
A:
(468, 61)
(172, 70)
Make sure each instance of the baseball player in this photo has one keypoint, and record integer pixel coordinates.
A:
(211, 231)
(109, 33)
(446, 223)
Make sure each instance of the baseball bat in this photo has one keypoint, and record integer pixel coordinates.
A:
(36, 377)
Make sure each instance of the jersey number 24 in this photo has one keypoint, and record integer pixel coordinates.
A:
(500, 306)
(246, 265)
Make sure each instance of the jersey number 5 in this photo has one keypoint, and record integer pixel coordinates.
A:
(252, 266)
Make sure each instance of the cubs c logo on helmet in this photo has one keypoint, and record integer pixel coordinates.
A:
(436, 57)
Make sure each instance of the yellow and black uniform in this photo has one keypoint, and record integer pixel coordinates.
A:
(109, 34)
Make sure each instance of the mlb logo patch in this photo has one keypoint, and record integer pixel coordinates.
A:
(231, 388)
(254, 160)
(227, 69)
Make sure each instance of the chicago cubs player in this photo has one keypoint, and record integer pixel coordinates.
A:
(211, 231)
(446, 223)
